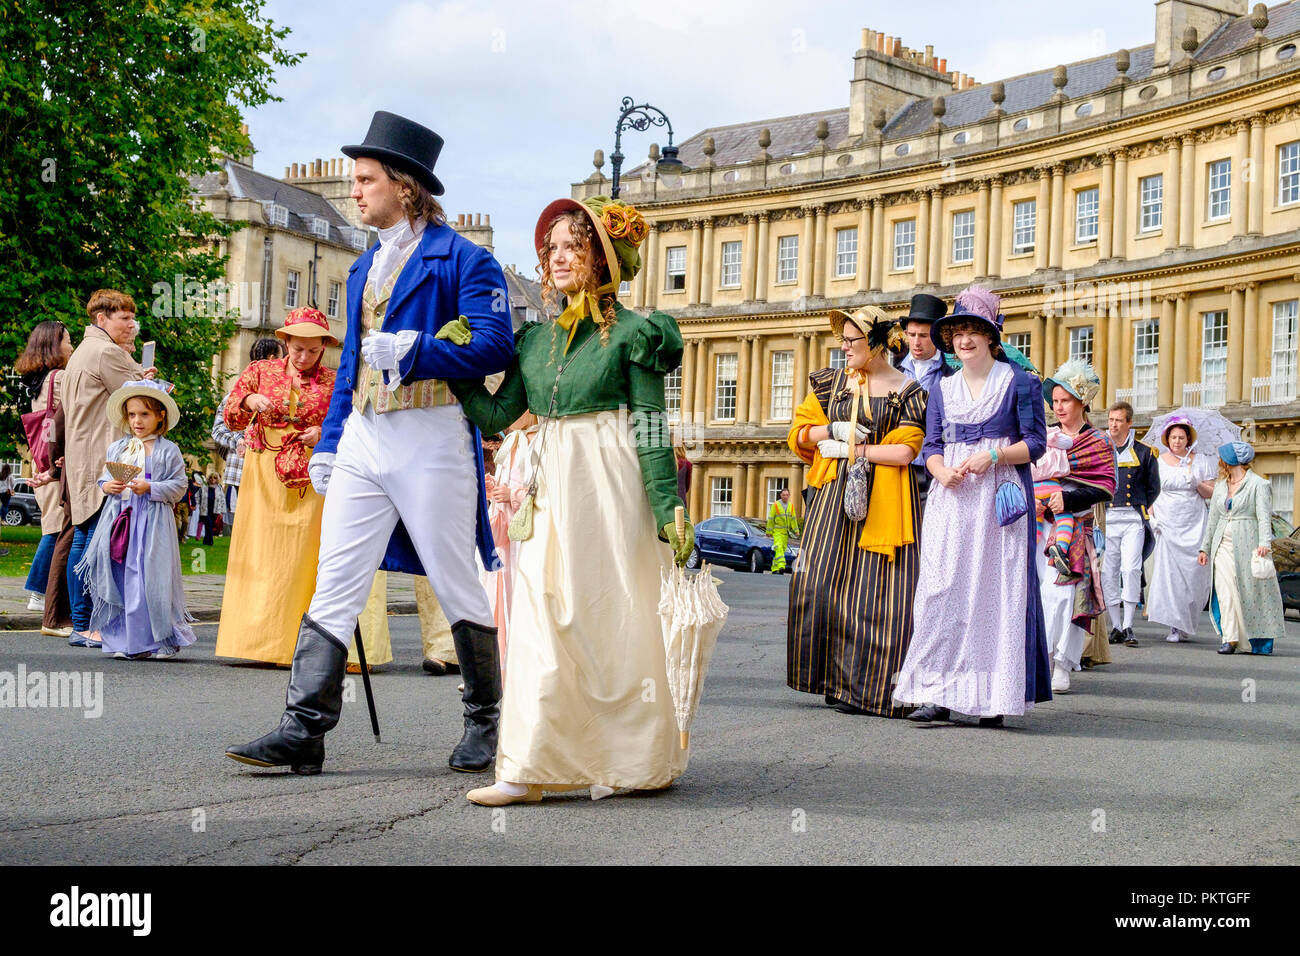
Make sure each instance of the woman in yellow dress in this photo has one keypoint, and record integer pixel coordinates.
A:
(271, 573)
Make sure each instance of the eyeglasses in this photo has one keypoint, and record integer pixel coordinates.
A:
(847, 342)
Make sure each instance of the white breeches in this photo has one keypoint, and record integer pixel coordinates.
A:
(1121, 567)
(415, 465)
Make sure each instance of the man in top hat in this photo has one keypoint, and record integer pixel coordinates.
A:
(400, 466)
(923, 363)
(1129, 541)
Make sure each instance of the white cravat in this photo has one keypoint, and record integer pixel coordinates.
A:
(394, 243)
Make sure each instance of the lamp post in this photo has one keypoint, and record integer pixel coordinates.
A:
(641, 117)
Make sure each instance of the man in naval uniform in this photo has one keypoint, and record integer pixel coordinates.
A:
(400, 466)
(1128, 536)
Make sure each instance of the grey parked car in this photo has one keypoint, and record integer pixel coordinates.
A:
(22, 508)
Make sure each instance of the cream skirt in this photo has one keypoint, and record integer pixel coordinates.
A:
(587, 700)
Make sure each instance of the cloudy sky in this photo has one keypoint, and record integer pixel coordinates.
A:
(524, 92)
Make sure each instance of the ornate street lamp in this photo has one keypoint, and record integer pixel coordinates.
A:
(642, 117)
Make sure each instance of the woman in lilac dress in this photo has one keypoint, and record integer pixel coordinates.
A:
(138, 600)
(977, 643)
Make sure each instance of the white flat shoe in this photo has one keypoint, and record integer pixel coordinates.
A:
(1060, 679)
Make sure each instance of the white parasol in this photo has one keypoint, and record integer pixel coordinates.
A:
(691, 614)
(1212, 429)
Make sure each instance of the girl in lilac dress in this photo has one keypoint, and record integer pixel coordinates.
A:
(139, 603)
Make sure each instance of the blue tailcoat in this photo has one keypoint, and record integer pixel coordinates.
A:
(447, 276)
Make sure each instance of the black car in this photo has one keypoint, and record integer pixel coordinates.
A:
(22, 508)
(741, 543)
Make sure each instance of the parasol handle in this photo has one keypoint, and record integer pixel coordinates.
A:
(685, 737)
(679, 522)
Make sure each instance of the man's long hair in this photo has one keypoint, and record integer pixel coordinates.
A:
(417, 201)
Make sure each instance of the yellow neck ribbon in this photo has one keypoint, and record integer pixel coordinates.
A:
(580, 305)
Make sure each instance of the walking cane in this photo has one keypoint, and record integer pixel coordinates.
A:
(365, 679)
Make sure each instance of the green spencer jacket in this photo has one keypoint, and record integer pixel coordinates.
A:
(626, 372)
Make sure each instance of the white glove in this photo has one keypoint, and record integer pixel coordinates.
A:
(840, 431)
(319, 469)
(830, 448)
(383, 351)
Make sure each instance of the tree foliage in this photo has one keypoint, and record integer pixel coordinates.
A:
(106, 111)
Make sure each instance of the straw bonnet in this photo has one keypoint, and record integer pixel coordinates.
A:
(156, 389)
(1078, 378)
(881, 331)
(306, 322)
(619, 227)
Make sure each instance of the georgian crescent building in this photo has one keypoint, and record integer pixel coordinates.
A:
(1140, 209)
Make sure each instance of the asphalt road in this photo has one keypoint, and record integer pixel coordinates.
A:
(1154, 759)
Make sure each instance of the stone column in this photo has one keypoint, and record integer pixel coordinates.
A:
(921, 260)
(1194, 341)
(1168, 332)
(800, 389)
(1236, 326)
(796, 489)
(707, 274)
(1058, 215)
(814, 353)
(1255, 209)
(740, 483)
(1106, 206)
(749, 261)
(1172, 199)
(936, 234)
(698, 504)
(864, 245)
(688, 382)
(995, 228)
(818, 284)
(1240, 195)
(650, 269)
(703, 372)
(1179, 346)
(1250, 339)
(756, 370)
(1115, 328)
(742, 381)
(1043, 218)
(754, 491)
(760, 265)
(638, 284)
(1119, 237)
(807, 247)
(1038, 345)
(693, 263)
(1187, 214)
(1050, 359)
(878, 251)
(982, 230)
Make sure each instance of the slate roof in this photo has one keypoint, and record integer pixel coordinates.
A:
(792, 135)
(303, 204)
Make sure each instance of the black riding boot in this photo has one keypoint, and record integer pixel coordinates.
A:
(312, 706)
(480, 666)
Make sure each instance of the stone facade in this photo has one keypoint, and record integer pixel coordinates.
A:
(1143, 214)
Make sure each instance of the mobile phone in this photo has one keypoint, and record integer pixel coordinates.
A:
(146, 355)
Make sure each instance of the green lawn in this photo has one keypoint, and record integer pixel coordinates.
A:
(22, 542)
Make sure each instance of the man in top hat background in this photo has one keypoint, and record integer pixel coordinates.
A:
(400, 466)
(923, 362)
(1129, 541)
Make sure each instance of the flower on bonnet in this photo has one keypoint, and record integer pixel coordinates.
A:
(980, 301)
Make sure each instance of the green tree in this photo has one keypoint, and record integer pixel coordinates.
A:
(106, 111)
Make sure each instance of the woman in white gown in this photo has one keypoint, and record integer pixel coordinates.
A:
(1179, 586)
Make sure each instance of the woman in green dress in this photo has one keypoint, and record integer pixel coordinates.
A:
(587, 704)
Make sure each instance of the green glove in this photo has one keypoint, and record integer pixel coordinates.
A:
(681, 549)
(457, 332)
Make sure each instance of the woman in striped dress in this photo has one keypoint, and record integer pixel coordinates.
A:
(851, 597)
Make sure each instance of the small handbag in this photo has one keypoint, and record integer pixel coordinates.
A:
(1262, 567)
(39, 428)
(119, 536)
(1010, 502)
(857, 482)
(521, 525)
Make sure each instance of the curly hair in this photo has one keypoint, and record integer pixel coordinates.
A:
(417, 201)
(589, 265)
(949, 330)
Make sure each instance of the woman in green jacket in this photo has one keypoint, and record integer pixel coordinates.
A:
(587, 704)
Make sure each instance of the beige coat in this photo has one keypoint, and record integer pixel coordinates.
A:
(97, 368)
(47, 496)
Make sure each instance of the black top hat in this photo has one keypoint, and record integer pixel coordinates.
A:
(404, 144)
(925, 308)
